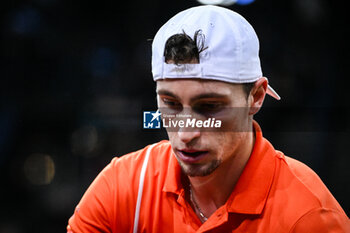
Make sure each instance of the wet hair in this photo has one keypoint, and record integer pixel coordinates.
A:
(181, 48)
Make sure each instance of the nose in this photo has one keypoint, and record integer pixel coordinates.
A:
(188, 136)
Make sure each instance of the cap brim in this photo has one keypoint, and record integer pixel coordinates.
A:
(272, 92)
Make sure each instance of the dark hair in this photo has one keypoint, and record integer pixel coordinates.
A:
(247, 87)
(181, 48)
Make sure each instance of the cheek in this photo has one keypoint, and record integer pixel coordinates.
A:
(229, 142)
(216, 142)
(234, 120)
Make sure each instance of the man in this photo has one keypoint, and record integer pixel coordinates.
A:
(223, 178)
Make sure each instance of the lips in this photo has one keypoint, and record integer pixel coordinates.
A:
(191, 155)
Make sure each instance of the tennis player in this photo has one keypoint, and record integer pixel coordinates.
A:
(222, 178)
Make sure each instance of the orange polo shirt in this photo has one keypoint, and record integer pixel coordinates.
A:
(274, 193)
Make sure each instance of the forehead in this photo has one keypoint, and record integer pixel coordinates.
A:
(192, 87)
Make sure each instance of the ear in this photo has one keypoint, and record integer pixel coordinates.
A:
(257, 95)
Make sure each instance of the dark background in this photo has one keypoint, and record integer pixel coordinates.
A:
(76, 77)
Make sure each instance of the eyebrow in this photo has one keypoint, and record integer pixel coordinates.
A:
(168, 93)
(197, 97)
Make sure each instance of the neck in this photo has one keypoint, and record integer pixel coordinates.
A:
(212, 191)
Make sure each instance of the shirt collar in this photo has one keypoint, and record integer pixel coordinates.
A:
(173, 179)
(251, 191)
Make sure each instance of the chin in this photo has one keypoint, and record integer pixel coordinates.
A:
(200, 170)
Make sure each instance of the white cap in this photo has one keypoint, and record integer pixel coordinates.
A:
(232, 53)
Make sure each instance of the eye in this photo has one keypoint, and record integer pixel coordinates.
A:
(171, 104)
(208, 108)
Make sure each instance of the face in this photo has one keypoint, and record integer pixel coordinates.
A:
(198, 151)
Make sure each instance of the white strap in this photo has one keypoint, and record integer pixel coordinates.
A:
(139, 194)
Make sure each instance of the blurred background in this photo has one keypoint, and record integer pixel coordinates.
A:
(75, 77)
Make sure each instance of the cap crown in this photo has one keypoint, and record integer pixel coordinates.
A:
(232, 53)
